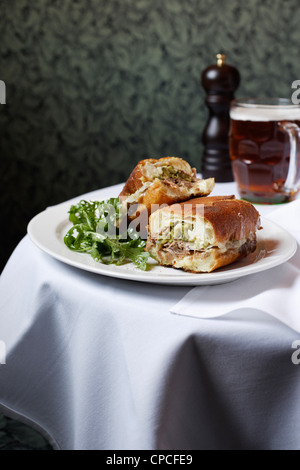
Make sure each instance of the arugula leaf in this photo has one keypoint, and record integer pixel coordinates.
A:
(95, 231)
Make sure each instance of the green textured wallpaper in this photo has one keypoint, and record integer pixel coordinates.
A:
(93, 86)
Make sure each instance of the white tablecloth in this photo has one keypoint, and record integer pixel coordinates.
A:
(100, 363)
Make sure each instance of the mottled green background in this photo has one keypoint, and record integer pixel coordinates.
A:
(93, 86)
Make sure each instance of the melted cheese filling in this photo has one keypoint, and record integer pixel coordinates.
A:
(197, 236)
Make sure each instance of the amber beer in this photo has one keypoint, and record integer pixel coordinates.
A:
(264, 149)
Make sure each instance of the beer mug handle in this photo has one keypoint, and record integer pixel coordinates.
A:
(293, 131)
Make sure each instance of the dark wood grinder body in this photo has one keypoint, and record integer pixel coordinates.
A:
(220, 81)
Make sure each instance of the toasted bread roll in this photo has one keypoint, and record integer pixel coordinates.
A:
(203, 234)
(164, 181)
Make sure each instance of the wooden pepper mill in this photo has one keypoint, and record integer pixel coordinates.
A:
(220, 81)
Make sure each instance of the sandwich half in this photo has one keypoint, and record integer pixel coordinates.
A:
(163, 181)
(203, 234)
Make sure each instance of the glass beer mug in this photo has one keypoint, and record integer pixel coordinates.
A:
(264, 144)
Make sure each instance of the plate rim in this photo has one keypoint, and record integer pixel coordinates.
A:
(180, 278)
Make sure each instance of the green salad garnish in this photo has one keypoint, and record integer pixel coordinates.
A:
(97, 231)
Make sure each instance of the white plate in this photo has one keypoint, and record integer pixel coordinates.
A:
(47, 230)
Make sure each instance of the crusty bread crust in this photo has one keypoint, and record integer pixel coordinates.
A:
(230, 225)
(204, 261)
(161, 194)
(144, 191)
(133, 183)
(139, 175)
(230, 218)
(158, 193)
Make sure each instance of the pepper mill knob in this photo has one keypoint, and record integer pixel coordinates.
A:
(219, 81)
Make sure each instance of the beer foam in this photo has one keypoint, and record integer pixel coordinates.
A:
(265, 113)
